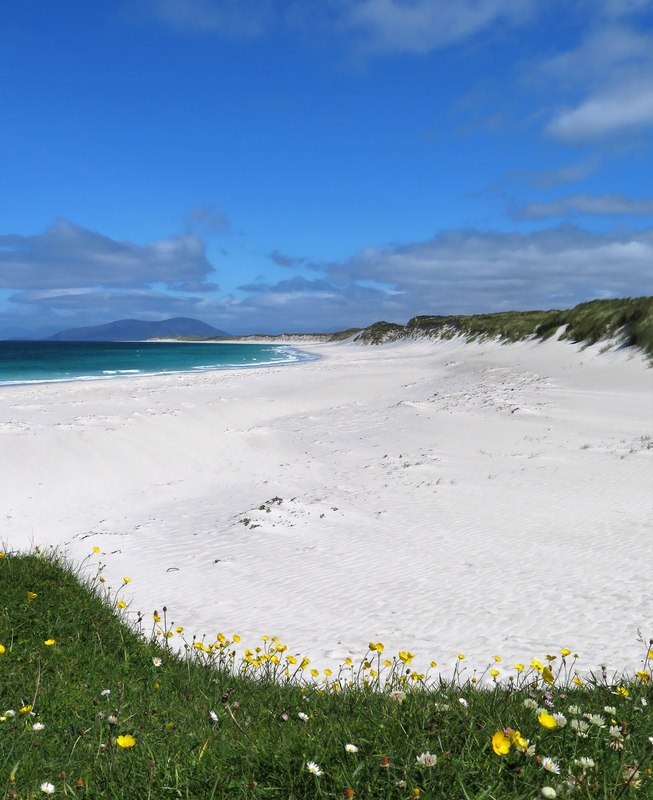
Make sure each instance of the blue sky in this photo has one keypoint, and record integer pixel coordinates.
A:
(269, 165)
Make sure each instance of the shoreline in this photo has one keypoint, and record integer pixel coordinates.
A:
(439, 497)
(295, 356)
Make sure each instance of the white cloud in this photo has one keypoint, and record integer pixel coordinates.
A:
(608, 78)
(67, 255)
(621, 109)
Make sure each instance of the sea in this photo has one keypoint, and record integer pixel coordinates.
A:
(51, 362)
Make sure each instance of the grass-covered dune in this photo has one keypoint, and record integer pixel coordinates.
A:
(629, 320)
(93, 706)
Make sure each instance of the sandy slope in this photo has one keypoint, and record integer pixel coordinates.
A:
(439, 497)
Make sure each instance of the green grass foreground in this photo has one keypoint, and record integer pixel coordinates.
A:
(91, 707)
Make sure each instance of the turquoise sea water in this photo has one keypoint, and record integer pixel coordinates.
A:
(46, 362)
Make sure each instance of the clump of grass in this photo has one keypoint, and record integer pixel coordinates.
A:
(94, 706)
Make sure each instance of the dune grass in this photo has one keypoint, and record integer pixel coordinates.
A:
(628, 320)
(99, 703)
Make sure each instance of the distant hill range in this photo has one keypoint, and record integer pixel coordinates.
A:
(136, 330)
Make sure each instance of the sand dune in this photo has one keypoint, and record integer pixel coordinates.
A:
(440, 497)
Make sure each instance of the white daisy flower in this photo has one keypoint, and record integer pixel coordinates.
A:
(463, 702)
(560, 719)
(351, 748)
(585, 762)
(304, 718)
(47, 788)
(530, 703)
(38, 726)
(580, 726)
(427, 760)
(157, 661)
(105, 692)
(611, 710)
(10, 712)
(214, 716)
(550, 765)
(595, 719)
(575, 711)
(313, 768)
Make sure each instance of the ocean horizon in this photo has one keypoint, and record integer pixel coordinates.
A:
(33, 362)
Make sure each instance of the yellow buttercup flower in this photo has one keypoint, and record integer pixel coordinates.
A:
(578, 681)
(500, 743)
(179, 629)
(564, 652)
(643, 676)
(125, 741)
(623, 691)
(497, 659)
(127, 580)
(520, 667)
(494, 673)
(2, 555)
(519, 741)
(49, 642)
(32, 595)
(25, 709)
(547, 675)
(461, 656)
(3, 649)
(96, 549)
(156, 616)
(122, 604)
(406, 656)
(546, 720)
(537, 665)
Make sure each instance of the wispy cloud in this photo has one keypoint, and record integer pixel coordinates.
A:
(622, 109)
(611, 73)
(606, 204)
(225, 18)
(391, 26)
(209, 217)
(282, 260)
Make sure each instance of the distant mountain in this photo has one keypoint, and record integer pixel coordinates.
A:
(135, 330)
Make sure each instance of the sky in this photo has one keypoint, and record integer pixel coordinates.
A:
(313, 165)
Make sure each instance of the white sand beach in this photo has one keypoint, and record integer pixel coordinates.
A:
(439, 497)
